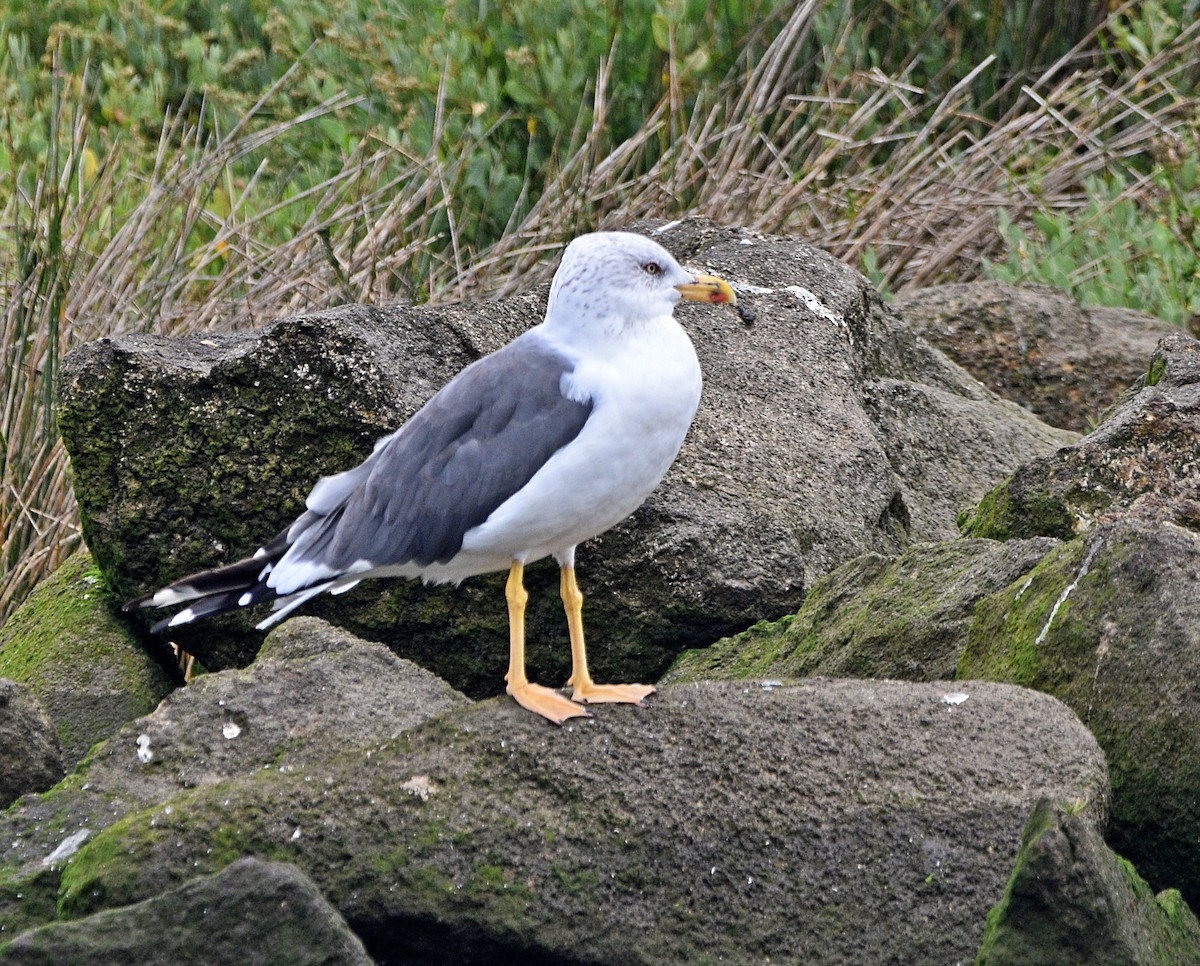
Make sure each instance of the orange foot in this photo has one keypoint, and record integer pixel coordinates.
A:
(612, 693)
(548, 703)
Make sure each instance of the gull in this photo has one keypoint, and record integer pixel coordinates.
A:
(525, 454)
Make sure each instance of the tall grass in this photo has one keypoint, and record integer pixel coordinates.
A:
(905, 180)
(871, 168)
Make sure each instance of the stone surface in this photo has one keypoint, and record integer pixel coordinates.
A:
(1036, 345)
(314, 693)
(1107, 619)
(252, 913)
(1147, 451)
(87, 667)
(30, 759)
(1110, 624)
(827, 429)
(1071, 900)
(834, 821)
(899, 617)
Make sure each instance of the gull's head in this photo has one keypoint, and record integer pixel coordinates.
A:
(618, 279)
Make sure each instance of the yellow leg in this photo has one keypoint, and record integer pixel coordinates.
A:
(533, 697)
(586, 690)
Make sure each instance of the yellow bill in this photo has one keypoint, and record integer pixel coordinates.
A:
(708, 288)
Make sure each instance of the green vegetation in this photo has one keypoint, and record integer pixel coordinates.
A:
(1135, 245)
(176, 165)
(65, 641)
(1135, 239)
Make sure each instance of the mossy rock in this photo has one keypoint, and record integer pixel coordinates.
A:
(1019, 508)
(1110, 624)
(904, 617)
(86, 665)
(1145, 451)
(314, 693)
(270, 908)
(694, 830)
(1072, 900)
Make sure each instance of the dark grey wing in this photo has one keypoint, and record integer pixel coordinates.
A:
(472, 446)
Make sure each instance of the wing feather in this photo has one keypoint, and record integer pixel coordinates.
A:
(469, 449)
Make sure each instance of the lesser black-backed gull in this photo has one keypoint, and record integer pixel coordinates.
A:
(524, 454)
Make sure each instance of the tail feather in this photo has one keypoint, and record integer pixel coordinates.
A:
(244, 583)
(285, 605)
(212, 592)
(235, 577)
(213, 604)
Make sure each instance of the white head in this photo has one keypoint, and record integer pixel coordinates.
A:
(618, 280)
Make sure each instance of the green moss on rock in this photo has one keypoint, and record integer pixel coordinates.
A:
(68, 645)
(1158, 367)
(904, 617)
(1006, 640)
(26, 902)
(1009, 512)
(1071, 900)
(1107, 624)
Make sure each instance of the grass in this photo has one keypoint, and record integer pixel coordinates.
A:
(893, 165)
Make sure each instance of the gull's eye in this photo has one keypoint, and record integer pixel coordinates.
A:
(652, 268)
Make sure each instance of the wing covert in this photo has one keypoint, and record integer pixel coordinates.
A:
(472, 446)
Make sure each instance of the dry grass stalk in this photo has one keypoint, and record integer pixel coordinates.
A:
(872, 163)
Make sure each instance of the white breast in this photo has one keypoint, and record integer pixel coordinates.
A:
(644, 388)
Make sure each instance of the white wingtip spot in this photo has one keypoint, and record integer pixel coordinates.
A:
(185, 616)
(245, 599)
(168, 597)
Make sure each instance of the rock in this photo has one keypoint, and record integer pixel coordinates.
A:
(251, 912)
(1147, 451)
(315, 693)
(1036, 345)
(827, 430)
(1071, 900)
(833, 821)
(1110, 624)
(30, 760)
(899, 617)
(1107, 620)
(86, 666)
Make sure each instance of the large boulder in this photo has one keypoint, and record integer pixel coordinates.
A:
(827, 429)
(1072, 900)
(1110, 624)
(1106, 618)
(87, 666)
(252, 912)
(829, 821)
(1036, 345)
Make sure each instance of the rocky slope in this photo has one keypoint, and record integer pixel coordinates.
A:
(783, 797)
